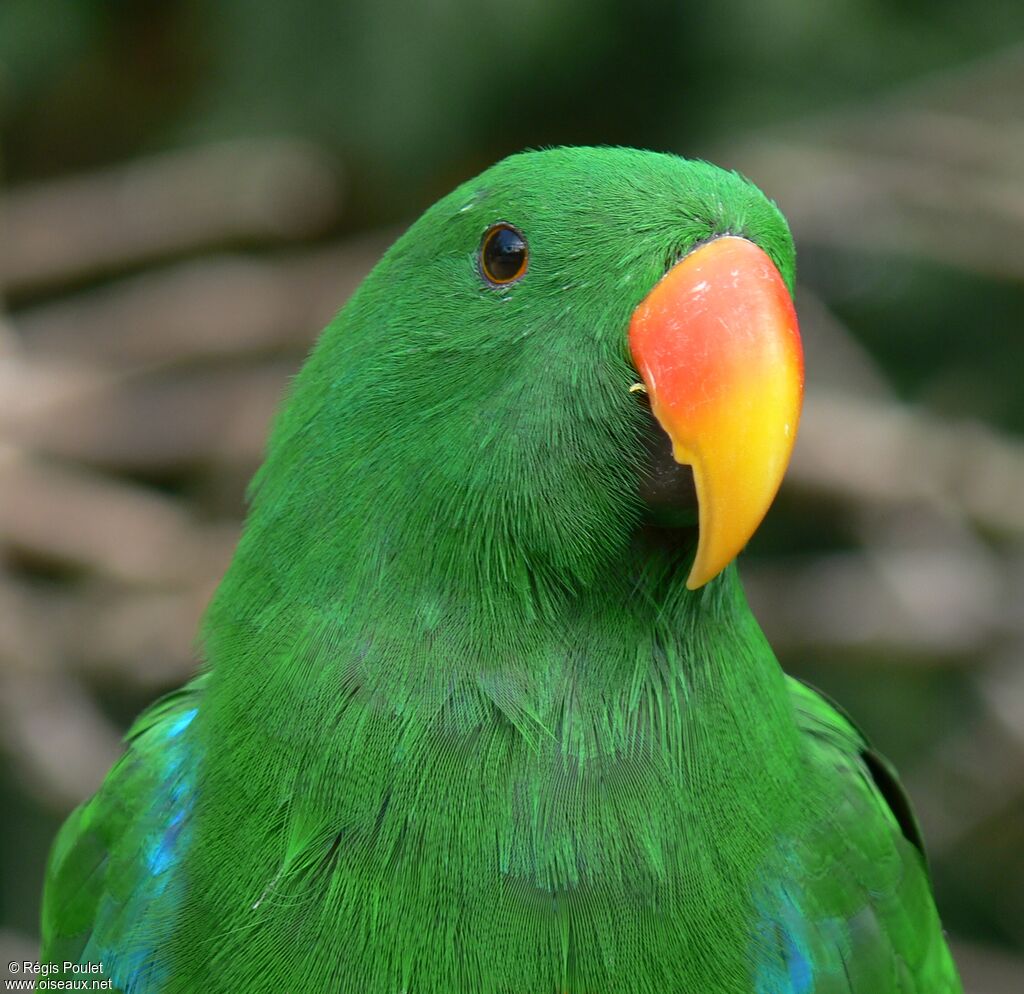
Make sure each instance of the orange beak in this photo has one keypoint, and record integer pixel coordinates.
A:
(717, 345)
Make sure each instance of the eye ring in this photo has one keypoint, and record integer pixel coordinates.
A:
(504, 254)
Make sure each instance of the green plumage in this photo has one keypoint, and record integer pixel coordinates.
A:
(462, 729)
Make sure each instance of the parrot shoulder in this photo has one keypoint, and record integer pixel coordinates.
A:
(838, 739)
(846, 905)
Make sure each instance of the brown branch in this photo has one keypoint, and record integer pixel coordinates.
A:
(935, 171)
(871, 452)
(146, 638)
(976, 774)
(17, 948)
(836, 360)
(162, 423)
(214, 308)
(984, 970)
(928, 604)
(66, 515)
(67, 229)
(929, 209)
(60, 744)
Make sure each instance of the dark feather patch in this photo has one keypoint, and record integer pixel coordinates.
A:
(884, 778)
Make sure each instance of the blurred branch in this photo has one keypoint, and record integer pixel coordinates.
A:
(62, 403)
(870, 451)
(977, 773)
(213, 308)
(836, 360)
(912, 204)
(65, 230)
(143, 638)
(936, 170)
(69, 516)
(162, 423)
(17, 947)
(987, 971)
(59, 743)
(927, 604)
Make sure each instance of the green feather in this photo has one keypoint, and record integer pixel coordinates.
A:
(462, 727)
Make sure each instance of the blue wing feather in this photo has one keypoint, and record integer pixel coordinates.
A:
(116, 866)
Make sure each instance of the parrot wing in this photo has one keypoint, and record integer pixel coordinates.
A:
(847, 905)
(110, 881)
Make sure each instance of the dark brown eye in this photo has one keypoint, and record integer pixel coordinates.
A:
(503, 254)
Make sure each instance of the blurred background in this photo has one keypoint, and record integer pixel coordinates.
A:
(190, 189)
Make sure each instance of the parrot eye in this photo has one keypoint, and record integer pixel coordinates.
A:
(503, 254)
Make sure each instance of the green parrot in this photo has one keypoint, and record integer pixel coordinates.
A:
(483, 709)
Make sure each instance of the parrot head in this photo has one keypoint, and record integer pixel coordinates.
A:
(575, 343)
